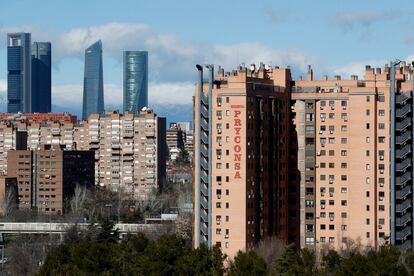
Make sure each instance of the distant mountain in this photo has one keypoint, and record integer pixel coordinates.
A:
(173, 113)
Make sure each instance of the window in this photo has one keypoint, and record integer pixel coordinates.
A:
(322, 239)
(381, 126)
(367, 180)
(344, 153)
(331, 153)
(381, 208)
(323, 152)
(323, 165)
(219, 101)
(218, 178)
(331, 103)
(331, 128)
(331, 202)
(368, 98)
(309, 216)
(323, 103)
(323, 177)
(344, 190)
(344, 165)
(367, 194)
(367, 207)
(310, 203)
(323, 215)
(344, 140)
(367, 112)
(367, 126)
(310, 240)
(343, 202)
(331, 165)
(381, 154)
(309, 117)
(331, 115)
(367, 153)
(381, 221)
(310, 129)
(309, 105)
(218, 204)
(344, 215)
(343, 103)
(218, 165)
(331, 140)
(381, 139)
(381, 112)
(344, 128)
(323, 117)
(331, 227)
(323, 140)
(367, 221)
(218, 126)
(344, 227)
(227, 99)
(381, 99)
(323, 128)
(331, 239)
(344, 116)
(367, 167)
(368, 235)
(367, 139)
(218, 113)
(227, 112)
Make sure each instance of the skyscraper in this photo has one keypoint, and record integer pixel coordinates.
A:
(18, 72)
(135, 80)
(93, 91)
(41, 77)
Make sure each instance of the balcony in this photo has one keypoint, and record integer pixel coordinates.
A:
(401, 194)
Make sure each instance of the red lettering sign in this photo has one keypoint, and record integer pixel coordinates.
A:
(237, 123)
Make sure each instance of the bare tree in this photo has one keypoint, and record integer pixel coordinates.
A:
(77, 203)
(9, 203)
(270, 249)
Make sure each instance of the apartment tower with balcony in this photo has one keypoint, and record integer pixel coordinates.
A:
(241, 141)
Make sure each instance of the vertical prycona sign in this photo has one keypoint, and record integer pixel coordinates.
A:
(237, 147)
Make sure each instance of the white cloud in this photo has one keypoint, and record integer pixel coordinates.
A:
(71, 96)
(349, 20)
(358, 68)
(172, 59)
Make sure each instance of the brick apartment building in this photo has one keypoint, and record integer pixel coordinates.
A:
(320, 162)
(47, 177)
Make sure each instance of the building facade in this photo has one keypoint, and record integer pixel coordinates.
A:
(93, 88)
(19, 72)
(130, 149)
(135, 81)
(241, 131)
(41, 77)
(47, 177)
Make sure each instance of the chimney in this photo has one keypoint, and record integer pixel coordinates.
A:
(325, 77)
(309, 75)
(337, 77)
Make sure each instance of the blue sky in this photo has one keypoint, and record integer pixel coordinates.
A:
(334, 36)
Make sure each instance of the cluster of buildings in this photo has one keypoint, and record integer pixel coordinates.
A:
(324, 163)
(43, 156)
(180, 138)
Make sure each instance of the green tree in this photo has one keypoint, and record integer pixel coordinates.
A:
(331, 261)
(247, 263)
(183, 158)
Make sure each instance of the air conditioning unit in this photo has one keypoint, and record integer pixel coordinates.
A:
(318, 153)
(323, 145)
(323, 119)
(381, 171)
(320, 132)
(332, 108)
(226, 236)
(331, 131)
(344, 107)
(381, 157)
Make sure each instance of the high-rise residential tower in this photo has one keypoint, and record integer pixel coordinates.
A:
(93, 90)
(135, 80)
(19, 72)
(41, 77)
(242, 159)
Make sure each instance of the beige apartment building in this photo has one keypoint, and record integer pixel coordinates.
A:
(352, 189)
(325, 163)
(130, 149)
(241, 157)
